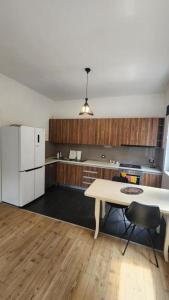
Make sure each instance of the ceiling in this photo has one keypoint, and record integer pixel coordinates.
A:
(46, 44)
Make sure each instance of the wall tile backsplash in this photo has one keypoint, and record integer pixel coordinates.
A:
(135, 155)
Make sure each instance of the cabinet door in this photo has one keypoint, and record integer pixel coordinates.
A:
(50, 175)
(74, 131)
(148, 131)
(151, 180)
(125, 131)
(69, 174)
(73, 175)
(103, 131)
(139, 131)
(64, 131)
(116, 132)
(55, 131)
(60, 173)
(51, 130)
(87, 131)
(109, 173)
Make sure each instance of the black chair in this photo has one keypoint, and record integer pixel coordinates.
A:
(117, 206)
(145, 216)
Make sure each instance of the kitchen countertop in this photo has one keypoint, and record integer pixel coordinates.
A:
(100, 164)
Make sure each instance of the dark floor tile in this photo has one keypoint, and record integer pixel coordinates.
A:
(71, 205)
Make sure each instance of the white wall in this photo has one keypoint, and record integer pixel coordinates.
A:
(166, 95)
(21, 105)
(125, 106)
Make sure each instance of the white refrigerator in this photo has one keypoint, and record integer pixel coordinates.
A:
(22, 164)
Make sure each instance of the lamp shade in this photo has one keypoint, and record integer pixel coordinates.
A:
(85, 110)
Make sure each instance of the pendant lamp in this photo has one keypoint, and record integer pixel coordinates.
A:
(85, 110)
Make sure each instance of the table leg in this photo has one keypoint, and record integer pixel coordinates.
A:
(166, 242)
(97, 217)
(103, 209)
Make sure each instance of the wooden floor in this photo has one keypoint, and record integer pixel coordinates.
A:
(46, 259)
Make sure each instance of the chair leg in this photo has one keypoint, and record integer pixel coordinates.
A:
(127, 228)
(152, 245)
(131, 233)
(124, 218)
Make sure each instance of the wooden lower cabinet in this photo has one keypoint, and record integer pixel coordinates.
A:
(83, 176)
(89, 174)
(151, 180)
(69, 174)
(50, 175)
(109, 173)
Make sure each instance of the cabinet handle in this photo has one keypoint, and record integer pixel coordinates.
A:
(89, 177)
(85, 182)
(87, 171)
(38, 138)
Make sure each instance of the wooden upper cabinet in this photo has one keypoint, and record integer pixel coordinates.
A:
(148, 131)
(140, 131)
(103, 131)
(74, 131)
(64, 131)
(108, 131)
(114, 132)
(87, 128)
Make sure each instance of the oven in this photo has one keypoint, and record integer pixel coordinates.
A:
(133, 176)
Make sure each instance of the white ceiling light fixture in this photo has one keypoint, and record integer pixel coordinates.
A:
(85, 110)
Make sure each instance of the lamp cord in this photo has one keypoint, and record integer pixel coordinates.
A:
(87, 86)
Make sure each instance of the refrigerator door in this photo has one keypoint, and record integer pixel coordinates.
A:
(9, 137)
(26, 140)
(27, 187)
(39, 147)
(39, 182)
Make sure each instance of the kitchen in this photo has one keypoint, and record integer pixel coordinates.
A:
(108, 147)
(84, 139)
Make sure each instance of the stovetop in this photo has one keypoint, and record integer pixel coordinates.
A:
(130, 166)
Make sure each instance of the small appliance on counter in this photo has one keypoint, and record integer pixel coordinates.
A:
(79, 155)
(152, 163)
(75, 155)
(114, 163)
(59, 155)
(72, 155)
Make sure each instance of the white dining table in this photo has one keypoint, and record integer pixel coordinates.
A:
(110, 191)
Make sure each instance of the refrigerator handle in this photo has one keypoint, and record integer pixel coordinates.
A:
(29, 170)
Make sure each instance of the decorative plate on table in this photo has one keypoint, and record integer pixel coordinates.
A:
(131, 190)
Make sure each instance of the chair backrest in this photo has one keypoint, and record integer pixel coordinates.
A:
(120, 179)
(144, 215)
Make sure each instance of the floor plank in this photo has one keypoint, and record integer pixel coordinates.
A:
(46, 259)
